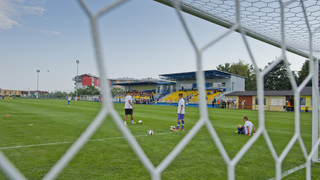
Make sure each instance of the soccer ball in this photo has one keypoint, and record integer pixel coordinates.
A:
(140, 121)
(150, 132)
(172, 128)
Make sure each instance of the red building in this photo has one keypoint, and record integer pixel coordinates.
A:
(84, 80)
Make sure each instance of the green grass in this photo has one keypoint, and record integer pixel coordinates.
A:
(108, 156)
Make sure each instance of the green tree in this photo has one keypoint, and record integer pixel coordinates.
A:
(80, 91)
(277, 79)
(89, 90)
(251, 82)
(116, 91)
(304, 72)
(92, 90)
(224, 68)
(246, 70)
(240, 68)
(58, 94)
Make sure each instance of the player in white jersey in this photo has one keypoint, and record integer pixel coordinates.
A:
(248, 126)
(128, 108)
(69, 99)
(181, 112)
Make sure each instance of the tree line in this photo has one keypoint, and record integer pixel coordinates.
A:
(276, 79)
(88, 90)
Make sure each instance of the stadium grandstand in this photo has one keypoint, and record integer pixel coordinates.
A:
(146, 91)
(166, 90)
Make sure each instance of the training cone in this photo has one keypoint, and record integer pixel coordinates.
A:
(8, 115)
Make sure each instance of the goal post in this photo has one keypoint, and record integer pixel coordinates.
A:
(315, 112)
(194, 8)
(234, 22)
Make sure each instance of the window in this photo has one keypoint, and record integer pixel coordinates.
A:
(194, 85)
(264, 101)
(302, 101)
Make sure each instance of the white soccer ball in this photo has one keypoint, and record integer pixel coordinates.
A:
(140, 121)
(172, 128)
(150, 132)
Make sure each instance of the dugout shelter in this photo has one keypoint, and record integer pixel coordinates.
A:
(273, 100)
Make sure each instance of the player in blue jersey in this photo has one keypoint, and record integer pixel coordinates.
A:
(181, 112)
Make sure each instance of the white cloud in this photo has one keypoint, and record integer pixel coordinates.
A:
(6, 22)
(50, 32)
(11, 11)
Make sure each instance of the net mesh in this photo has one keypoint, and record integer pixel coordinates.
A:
(291, 24)
(264, 18)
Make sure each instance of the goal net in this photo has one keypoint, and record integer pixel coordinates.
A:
(292, 25)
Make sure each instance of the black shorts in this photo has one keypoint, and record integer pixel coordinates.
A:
(128, 111)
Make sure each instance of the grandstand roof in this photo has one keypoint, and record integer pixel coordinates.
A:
(141, 83)
(192, 75)
(123, 79)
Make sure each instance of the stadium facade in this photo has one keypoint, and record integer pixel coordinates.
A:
(167, 88)
(215, 80)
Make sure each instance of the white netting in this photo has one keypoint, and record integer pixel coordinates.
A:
(262, 19)
(290, 24)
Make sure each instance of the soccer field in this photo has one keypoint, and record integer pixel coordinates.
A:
(35, 133)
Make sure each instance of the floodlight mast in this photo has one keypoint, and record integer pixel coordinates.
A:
(38, 71)
(77, 61)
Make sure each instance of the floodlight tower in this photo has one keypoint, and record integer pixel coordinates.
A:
(38, 71)
(77, 61)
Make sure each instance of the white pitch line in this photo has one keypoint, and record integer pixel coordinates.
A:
(34, 145)
(57, 143)
(290, 171)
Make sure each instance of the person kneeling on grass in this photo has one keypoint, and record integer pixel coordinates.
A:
(247, 128)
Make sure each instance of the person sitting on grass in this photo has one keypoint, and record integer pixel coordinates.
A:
(241, 130)
(247, 128)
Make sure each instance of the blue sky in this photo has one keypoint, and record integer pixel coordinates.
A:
(140, 39)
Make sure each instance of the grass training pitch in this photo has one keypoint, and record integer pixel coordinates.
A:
(38, 132)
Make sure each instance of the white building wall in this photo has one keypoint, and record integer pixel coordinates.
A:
(234, 83)
(239, 83)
